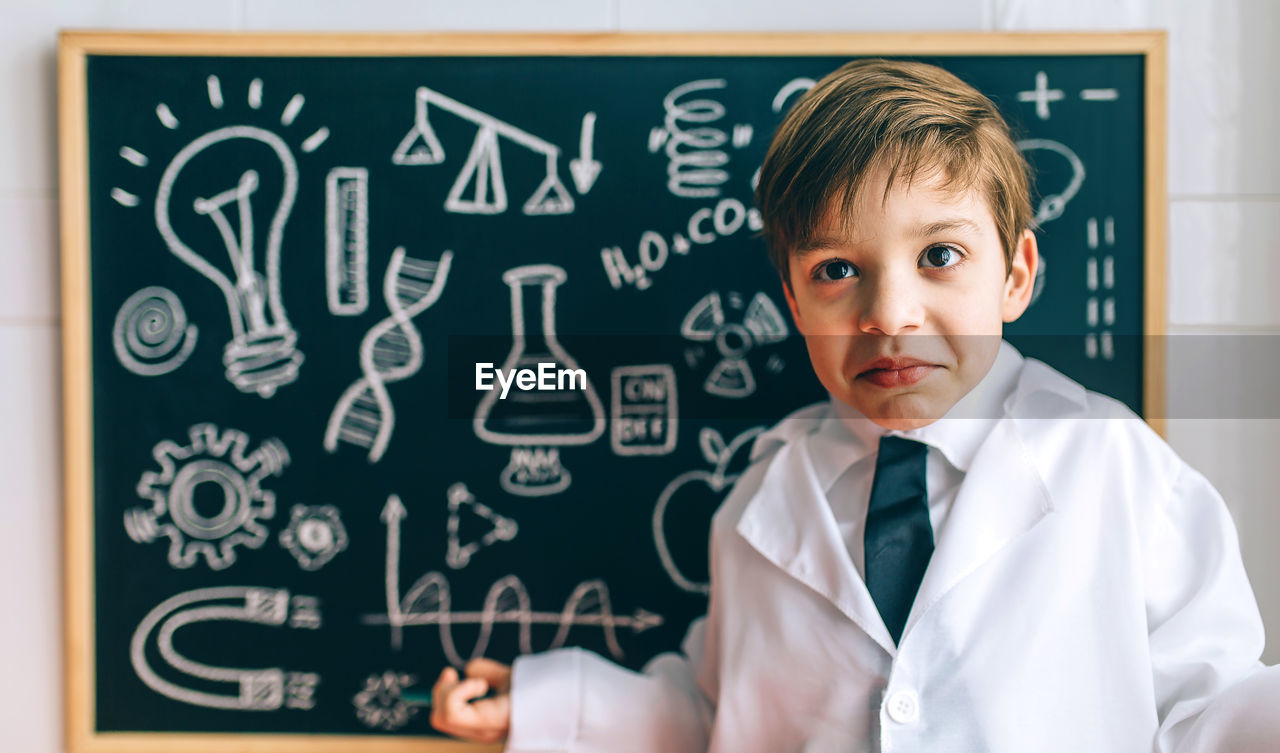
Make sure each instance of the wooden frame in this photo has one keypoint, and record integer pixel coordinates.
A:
(75, 46)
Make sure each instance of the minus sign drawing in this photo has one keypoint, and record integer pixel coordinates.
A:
(1099, 95)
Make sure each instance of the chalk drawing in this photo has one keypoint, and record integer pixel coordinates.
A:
(762, 324)
(481, 175)
(535, 424)
(1042, 95)
(346, 248)
(380, 703)
(1053, 204)
(643, 411)
(390, 352)
(221, 462)
(428, 602)
(151, 336)
(259, 689)
(461, 500)
(314, 535)
(719, 455)
(695, 159)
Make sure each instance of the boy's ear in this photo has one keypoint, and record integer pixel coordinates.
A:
(1022, 277)
(791, 304)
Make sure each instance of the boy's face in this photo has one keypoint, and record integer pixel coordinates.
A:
(903, 314)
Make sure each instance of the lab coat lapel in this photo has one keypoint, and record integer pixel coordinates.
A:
(791, 524)
(1001, 498)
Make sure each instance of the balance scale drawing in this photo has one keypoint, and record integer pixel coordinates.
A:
(482, 172)
(262, 689)
(428, 602)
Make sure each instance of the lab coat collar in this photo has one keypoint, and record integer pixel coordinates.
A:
(790, 522)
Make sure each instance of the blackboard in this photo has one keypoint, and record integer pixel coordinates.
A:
(288, 502)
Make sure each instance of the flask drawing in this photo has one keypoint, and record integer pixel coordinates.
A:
(536, 423)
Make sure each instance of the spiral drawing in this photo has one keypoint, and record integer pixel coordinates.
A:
(151, 335)
(390, 352)
(696, 161)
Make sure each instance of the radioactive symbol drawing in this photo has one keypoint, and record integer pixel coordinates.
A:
(761, 324)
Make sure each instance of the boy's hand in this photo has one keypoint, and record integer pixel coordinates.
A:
(484, 721)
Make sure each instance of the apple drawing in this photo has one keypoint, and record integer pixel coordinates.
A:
(697, 491)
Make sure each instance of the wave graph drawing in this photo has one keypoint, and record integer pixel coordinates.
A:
(429, 602)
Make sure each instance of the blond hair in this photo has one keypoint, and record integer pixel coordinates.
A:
(915, 119)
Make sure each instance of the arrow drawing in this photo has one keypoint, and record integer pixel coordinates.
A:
(585, 169)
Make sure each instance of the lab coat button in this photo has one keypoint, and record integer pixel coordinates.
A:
(904, 707)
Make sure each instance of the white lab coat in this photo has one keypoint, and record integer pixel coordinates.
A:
(1086, 596)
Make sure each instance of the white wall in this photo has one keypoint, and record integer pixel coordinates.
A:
(1224, 172)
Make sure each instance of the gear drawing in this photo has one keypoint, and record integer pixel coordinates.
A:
(219, 462)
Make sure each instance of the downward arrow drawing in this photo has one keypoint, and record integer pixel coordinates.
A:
(585, 169)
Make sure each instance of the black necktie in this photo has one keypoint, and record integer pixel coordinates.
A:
(899, 539)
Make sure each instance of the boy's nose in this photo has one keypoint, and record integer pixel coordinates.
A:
(891, 307)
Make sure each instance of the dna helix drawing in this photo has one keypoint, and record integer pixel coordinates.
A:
(390, 352)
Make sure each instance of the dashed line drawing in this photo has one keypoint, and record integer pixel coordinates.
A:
(167, 118)
(719, 455)
(124, 198)
(314, 536)
(1100, 313)
(482, 173)
(428, 602)
(1042, 95)
(380, 703)
(264, 689)
(1099, 95)
(695, 159)
(390, 352)
(585, 168)
(292, 109)
(762, 324)
(151, 335)
(215, 92)
(346, 249)
(133, 156)
(792, 87)
(536, 424)
(643, 410)
(460, 499)
(1052, 205)
(220, 461)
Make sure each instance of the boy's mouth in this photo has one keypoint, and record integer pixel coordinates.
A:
(895, 372)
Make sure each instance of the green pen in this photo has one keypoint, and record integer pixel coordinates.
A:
(422, 698)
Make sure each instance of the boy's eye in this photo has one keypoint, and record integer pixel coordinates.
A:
(836, 270)
(940, 256)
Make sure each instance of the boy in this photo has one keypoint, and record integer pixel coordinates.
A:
(1036, 572)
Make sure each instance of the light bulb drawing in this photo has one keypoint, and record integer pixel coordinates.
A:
(536, 424)
(482, 172)
(221, 207)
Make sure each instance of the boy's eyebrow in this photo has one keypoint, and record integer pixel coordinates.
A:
(942, 226)
(820, 243)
